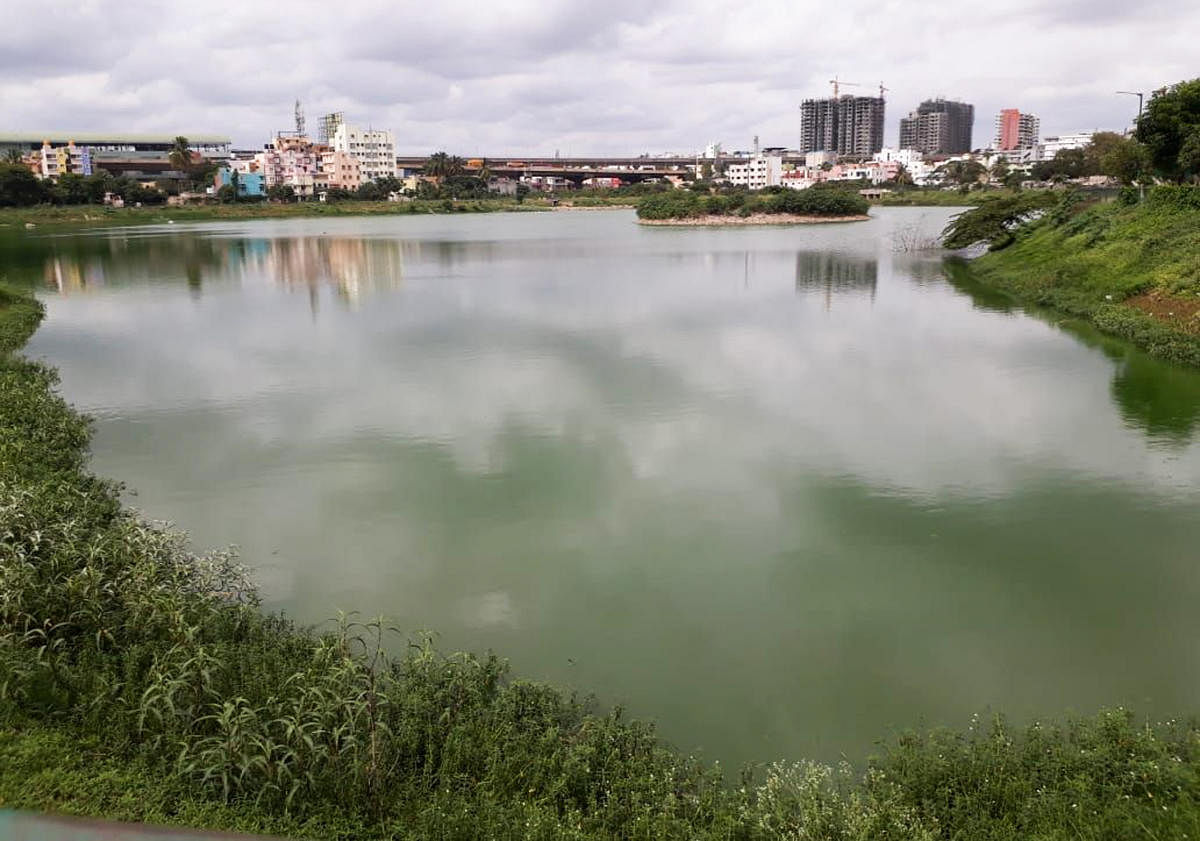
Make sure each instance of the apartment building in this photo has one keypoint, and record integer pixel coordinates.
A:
(756, 172)
(60, 160)
(375, 150)
(1015, 130)
(847, 125)
(342, 170)
(938, 127)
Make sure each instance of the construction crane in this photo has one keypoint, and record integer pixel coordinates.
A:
(836, 84)
(882, 90)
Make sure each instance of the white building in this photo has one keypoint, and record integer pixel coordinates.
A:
(816, 160)
(374, 148)
(1051, 146)
(757, 172)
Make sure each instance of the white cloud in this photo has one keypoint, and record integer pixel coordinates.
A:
(529, 78)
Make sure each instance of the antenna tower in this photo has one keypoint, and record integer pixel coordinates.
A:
(299, 119)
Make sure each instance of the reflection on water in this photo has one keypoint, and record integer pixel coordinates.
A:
(348, 265)
(830, 273)
(784, 472)
(1160, 399)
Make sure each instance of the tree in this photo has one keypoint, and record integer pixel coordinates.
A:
(903, 177)
(1189, 156)
(12, 156)
(281, 192)
(180, 155)
(999, 171)
(19, 187)
(1068, 163)
(522, 192)
(963, 173)
(1171, 116)
(96, 185)
(71, 189)
(227, 194)
(437, 166)
(1119, 157)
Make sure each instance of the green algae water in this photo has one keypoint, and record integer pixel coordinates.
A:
(779, 489)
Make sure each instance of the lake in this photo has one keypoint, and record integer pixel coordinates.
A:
(782, 490)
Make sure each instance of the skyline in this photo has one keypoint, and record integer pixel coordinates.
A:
(561, 76)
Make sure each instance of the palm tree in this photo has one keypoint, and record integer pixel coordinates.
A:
(12, 156)
(437, 166)
(180, 155)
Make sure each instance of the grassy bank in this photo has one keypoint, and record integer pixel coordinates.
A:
(142, 682)
(87, 215)
(1131, 268)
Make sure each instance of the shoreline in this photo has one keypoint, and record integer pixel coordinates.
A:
(714, 220)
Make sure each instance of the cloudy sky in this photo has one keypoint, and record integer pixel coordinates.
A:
(576, 76)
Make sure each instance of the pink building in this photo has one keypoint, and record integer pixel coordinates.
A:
(1015, 130)
(343, 170)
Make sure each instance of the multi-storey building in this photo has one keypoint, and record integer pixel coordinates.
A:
(1015, 130)
(374, 148)
(60, 160)
(938, 127)
(290, 160)
(756, 172)
(847, 125)
(343, 170)
(1057, 143)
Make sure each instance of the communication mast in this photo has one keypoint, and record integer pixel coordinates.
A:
(299, 119)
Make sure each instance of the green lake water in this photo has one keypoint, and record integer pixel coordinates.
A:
(782, 490)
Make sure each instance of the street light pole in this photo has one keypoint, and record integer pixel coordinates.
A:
(1139, 95)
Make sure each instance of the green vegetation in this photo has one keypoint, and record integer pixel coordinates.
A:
(98, 215)
(1131, 268)
(141, 682)
(934, 197)
(1170, 130)
(816, 201)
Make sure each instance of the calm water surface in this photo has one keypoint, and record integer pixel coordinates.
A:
(780, 489)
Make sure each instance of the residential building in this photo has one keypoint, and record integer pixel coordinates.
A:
(1015, 130)
(290, 160)
(343, 170)
(1051, 146)
(938, 127)
(756, 172)
(374, 148)
(56, 161)
(249, 184)
(847, 125)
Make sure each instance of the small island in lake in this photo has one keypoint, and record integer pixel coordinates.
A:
(789, 207)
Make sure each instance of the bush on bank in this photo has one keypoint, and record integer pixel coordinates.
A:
(144, 682)
(815, 201)
(1129, 267)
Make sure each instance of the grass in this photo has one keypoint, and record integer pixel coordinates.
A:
(1133, 269)
(89, 215)
(141, 682)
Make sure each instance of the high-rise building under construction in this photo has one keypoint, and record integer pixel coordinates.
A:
(848, 125)
(938, 127)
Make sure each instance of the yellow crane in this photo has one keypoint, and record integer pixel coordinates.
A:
(837, 83)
